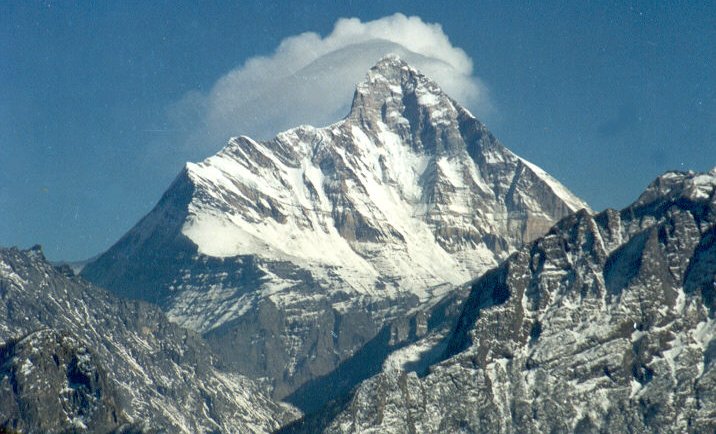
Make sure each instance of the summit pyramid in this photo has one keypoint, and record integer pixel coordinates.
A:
(291, 255)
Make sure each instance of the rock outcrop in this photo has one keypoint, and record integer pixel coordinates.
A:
(74, 357)
(605, 324)
(292, 254)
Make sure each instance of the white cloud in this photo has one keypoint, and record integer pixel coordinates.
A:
(310, 79)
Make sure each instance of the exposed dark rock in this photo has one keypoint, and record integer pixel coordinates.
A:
(52, 382)
(290, 255)
(605, 324)
(74, 357)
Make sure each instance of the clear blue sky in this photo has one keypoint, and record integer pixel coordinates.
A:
(605, 96)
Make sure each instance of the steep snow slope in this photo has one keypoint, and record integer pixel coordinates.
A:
(391, 193)
(606, 324)
(291, 254)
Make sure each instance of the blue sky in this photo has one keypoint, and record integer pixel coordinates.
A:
(101, 103)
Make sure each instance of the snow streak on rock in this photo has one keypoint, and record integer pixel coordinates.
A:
(311, 242)
(74, 358)
(605, 324)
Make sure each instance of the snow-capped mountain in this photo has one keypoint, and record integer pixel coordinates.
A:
(291, 254)
(75, 358)
(606, 324)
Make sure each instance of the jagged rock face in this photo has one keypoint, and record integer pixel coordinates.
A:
(291, 254)
(51, 382)
(73, 357)
(606, 324)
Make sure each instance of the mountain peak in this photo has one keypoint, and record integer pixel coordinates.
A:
(395, 97)
(392, 77)
(405, 199)
(390, 60)
(674, 185)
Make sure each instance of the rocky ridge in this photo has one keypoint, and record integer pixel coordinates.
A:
(605, 324)
(292, 254)
(74, 358)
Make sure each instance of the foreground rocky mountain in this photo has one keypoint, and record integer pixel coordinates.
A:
(290, 255)
(75, 358)
(606, 324)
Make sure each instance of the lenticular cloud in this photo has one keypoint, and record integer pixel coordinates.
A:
(310, 79)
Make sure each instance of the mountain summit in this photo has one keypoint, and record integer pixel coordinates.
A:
(293, 253)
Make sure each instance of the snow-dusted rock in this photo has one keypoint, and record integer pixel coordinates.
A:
(75, 358)
(290, 255)
(605, 324)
